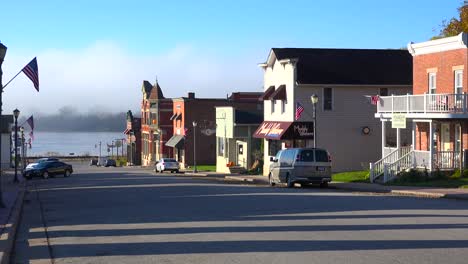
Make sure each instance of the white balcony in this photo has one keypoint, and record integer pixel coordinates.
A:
(424, 105)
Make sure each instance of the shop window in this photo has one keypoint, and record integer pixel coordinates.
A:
(273, 147)
(221, 146)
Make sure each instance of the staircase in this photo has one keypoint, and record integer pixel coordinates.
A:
(390, 165)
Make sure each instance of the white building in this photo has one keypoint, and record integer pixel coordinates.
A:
(341, 78)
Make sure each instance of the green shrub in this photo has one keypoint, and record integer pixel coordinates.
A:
(412, 175)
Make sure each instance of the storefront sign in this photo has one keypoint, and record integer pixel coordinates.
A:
(272, 130)
(304, 130)
(399, 121)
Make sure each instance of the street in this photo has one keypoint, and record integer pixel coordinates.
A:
(128, 215)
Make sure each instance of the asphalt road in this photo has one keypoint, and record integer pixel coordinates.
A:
(119, 215)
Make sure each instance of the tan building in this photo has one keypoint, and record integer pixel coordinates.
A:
(340, 79)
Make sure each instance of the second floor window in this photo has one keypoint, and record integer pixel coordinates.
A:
(383, 91)
(283, 106)
(432, 83)
(459, 82)
(273, 103)
(327, 99)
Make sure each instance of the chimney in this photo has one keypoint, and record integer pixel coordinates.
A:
(191, 95)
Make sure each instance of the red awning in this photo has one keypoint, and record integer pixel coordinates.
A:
(266, 95)
(272, 129)
(279, 94)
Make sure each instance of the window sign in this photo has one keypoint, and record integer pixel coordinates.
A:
(399, 121)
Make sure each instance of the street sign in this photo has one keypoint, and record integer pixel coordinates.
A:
(399, 121)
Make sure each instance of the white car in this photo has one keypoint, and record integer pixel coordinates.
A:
(166, 164)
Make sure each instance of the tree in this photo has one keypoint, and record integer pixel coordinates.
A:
(454, 26)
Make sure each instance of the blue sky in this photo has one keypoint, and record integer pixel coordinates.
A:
(209, 47)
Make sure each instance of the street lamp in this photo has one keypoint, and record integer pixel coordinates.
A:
(314, 99)
(23, 150)
(3, 50)
(194, 146)
(16, 113)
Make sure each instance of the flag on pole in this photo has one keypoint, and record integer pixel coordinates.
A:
(375, 99)
(30, 122)
(31, 135)
(32, 72)
(299, 110)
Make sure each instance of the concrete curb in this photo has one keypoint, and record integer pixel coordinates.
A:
(418, 194)
(8, 237)
(241, 179)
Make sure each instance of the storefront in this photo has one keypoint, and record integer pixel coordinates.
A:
(280, 135)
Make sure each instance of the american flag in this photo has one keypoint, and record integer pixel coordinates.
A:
(31, 135)
(30, 122)
(32, 72)
(375, 99)
(299, 110)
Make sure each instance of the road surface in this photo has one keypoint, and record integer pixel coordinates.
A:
(121, 215)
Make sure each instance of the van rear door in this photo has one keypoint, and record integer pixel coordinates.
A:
(322, 162)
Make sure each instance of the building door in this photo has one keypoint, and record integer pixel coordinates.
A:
(445, 144)
(242, 154)
(445, 156)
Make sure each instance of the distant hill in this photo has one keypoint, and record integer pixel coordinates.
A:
(70, 122)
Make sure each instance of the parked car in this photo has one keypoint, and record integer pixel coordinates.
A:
(166, 164)
(93, 162)
(47, 169)
(30, 165)
(110, 162)
(300, 165)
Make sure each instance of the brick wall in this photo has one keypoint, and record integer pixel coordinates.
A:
(442, 63)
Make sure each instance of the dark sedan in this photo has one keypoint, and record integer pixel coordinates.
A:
(48, 169)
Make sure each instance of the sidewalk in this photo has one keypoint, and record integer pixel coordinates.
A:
(13, 194)
(428, 192)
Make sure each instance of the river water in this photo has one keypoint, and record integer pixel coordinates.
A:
(78, 143)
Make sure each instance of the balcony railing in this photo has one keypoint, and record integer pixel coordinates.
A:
(423, 103)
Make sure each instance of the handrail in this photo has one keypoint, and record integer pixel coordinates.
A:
(377, 168)
(405, 162)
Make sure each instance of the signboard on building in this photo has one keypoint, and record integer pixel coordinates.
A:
(399, 121)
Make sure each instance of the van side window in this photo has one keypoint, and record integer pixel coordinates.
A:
(321, 155)
(307, 155)
(285, 158)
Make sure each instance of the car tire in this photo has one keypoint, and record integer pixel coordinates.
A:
(176, 171)
(289, 182)
(324, 185)
(270, 180)
(67, 173)
(45, 175)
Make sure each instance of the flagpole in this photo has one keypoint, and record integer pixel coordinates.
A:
(12, 79)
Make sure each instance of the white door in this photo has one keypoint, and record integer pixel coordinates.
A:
(445, 156)
(445, 137)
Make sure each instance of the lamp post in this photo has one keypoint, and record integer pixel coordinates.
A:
(314, 99)
(23, 151)
(3, 50)
(16, 113)
(194, 146)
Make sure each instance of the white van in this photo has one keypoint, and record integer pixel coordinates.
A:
(301, 165)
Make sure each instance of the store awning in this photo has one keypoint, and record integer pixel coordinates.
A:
(285, 130)
(175, 141)
(272, 129)
(266, 95)
(279, 94)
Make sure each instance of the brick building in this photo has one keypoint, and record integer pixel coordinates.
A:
(133, 133)
(437, 110)
(187, 110)
(156, 126)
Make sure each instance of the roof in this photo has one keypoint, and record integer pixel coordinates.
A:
(152, 91)
(350, 66)
(246, 117)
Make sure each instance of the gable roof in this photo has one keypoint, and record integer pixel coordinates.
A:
(152, 92)
(350, 66)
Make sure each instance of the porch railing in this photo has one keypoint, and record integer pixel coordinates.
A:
(444, 160)
(423, 103)
(377, 168)
(403, 163)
